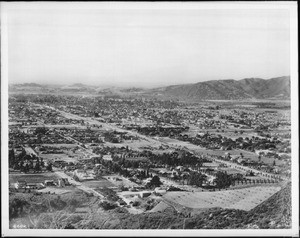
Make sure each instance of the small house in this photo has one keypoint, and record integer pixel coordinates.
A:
(21, 184)
(144, 194)
(49, 183)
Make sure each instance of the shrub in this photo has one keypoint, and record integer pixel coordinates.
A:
(136, 203)
(107, 205)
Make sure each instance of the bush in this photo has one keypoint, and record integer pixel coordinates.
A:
(17, 206)
(109, 194)
(155, 181)
(136, 203)
(107, 205)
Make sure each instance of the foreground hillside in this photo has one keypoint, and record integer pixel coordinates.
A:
(82, 212)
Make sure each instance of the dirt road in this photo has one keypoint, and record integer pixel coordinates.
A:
(78, 184)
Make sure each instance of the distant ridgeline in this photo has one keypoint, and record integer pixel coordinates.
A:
(229, 89)
(249, 88)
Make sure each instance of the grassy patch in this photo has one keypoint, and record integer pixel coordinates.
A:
(32, 178)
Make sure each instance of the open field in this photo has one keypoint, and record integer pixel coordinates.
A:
(236, 152)
(227, 133)
(267, 160)
(204, 151)
(59, 191)
(98, 183)
(63, 157)
(68, 126)
(135, 144)
(244, 199)
(122, 182)
(234, 171)
(178, 143)
(70, 153)
(32, 178)
(60, 145)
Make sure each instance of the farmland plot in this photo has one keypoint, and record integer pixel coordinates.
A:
(54, 190)
(134, 144)
(120, 181)
(98, 183)
(218, 152)
(68, 146)
(244, 199)
(32, 178)
(63, 157)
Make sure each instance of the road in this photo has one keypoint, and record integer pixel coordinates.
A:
(78, 184)
(79, 144)
(104, 125)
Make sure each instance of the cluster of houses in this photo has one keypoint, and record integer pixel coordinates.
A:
(26, 160)
(158, 130)
(85, 136)
(33, 136)
(164, 118)
(27, 114)
(113, 110)
(116, 110)
(252, 119)
(217, 141)
(24, 186)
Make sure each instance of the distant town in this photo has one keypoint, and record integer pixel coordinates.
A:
(114, 162)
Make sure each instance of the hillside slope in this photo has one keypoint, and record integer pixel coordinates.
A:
(229, 89)
(60, 213)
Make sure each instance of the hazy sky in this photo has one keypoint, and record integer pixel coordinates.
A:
(145, 47)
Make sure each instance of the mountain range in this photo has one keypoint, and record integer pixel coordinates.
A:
(227, 89)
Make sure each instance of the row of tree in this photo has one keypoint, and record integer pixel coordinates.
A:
(25, 162)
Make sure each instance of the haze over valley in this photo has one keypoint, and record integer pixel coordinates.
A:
(248, 88)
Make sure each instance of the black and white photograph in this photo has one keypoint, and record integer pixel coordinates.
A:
(149, 119)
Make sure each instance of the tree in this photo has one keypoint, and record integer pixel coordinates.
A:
(42, 163)
(41, 130)
(17, 206)
(155, 181)
(223, 180)
(196, 179)
(37, 166)
(49, 167)
(259, 158)
(106, 205)
(12, 158)
(76, 178)
(26, 168)
(21, 166)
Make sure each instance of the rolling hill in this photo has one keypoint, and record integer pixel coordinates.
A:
(229, 89)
